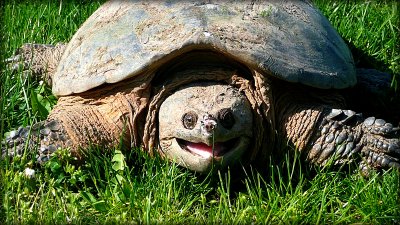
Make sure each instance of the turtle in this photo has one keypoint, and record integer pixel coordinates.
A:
(207, 84)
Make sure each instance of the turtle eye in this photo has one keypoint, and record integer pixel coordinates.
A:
(189, 120)
(225, 116)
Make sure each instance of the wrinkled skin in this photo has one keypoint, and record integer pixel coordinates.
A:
(309, 119)
(205, 124)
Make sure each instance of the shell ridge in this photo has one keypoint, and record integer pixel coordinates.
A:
(291, 41)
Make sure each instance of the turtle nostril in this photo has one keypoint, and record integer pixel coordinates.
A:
(210, 127)
(208, 123)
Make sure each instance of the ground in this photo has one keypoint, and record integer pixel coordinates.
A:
(138, 189)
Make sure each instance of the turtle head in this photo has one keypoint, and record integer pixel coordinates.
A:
(205, 125)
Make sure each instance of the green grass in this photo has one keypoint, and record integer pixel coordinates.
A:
(371, 29)
(110, 188)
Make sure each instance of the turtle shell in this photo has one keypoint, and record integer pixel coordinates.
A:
(290, 40)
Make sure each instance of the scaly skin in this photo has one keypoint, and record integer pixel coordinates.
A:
(97, 117)
(38, 60)
(321, 130)
(346, 135)
(47, 136)
(323, 133)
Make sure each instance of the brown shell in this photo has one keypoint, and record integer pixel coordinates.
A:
(289, 40)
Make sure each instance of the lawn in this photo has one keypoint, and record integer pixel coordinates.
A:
(134, 188)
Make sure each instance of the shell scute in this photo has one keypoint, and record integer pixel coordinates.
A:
(291, 41)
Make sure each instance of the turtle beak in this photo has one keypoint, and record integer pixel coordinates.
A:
(208, 124)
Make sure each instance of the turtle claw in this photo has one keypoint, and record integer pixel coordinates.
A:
(380, 127)
(13, 59)
(46, 136)
(21, 58)
(345, 135)
(15, 141)
(14, 63)
(381, 143)
(364, 169)
(39, 60)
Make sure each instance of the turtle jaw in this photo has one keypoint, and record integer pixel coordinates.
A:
(216, 150)
(204, 114)
(201, 158)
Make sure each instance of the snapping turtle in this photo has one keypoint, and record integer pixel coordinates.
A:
(206, 84)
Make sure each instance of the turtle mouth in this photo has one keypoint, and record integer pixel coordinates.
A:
(217, 150)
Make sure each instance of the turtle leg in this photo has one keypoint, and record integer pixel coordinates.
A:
(46, 136)
(347, 136)
(326, 134)
(107, 117)
(38, 60)
(75, 127)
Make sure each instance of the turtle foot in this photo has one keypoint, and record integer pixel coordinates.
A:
(46, 136)
(38, 60)
(381, 143)
(345, 136)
